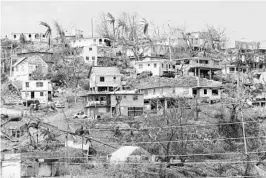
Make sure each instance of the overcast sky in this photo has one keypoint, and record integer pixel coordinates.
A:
(241, 19)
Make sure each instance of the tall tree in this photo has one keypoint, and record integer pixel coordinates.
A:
(48, 32)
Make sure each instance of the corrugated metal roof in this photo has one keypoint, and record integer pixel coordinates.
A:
(181, 81)
(105, 71)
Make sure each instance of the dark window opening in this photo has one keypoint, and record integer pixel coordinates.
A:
(27, 84)
(114, 78)
(41, 93)
(101, 79)
(39, 84)
(215, 92)
(90, 49)
(87, 58)
(205, 91)
(15, 36)
(29, 35)
(195, 92)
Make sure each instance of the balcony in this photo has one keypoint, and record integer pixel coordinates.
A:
(96, 103)
(211, 66)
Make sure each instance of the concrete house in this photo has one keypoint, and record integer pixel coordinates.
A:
(157, 67)
(105, 78)
(34, 37)
(17, 165)
(197, 66)
(37, 89)
(91, 48)
(25, 66)
(98, 103)
(165, 89)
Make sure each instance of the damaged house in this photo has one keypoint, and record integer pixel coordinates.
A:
(166, 89)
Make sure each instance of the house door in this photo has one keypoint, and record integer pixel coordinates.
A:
(31, 94)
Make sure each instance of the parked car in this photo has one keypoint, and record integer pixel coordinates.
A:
(29, 102)
(80, 115)
(59, 104)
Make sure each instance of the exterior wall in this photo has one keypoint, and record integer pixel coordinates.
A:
(88, 53)
(209, 94)
(21, 71)
(128, 101)
(167, 92)
(26, 91)
(149, 66)
(35, 37)
(25, 68)
(89, 41)
(108, 80)
(10, 166)
(92, 112)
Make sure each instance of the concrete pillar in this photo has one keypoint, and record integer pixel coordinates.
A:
(165, 104)
(210, 74)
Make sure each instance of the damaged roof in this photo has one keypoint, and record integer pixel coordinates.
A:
(180, 81)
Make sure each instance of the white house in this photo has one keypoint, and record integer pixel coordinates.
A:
(91, 48)
(25, 66)
(89, 41)
(105, 78)
(37, 89)
(158, 67)
(34, 37)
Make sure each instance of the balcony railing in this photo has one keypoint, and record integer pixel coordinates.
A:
(96, 103)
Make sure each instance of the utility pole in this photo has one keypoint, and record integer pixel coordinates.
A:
(92, 28)
(11, 51)
(170, 54)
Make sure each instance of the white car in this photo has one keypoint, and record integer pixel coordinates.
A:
(59, 104)
(80, 115)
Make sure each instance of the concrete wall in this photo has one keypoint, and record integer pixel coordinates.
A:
(92, 112)
(128, 101)
(35, 37)
(88, 53)
(108, 80)
(209, 93)
(10, 166)
(149, 66)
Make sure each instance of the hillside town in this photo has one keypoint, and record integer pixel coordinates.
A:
(131, 100)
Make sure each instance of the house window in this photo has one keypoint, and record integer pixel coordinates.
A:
(39, 84)
(15, 36)
(100, 41)
(135, 111)
(101, 79)
(154, 91)
(205, 91)
(148, 64)
(173, 91)
(90, 49)
(145, 92)
(155, 65)
(114, 78)
(135, 97)
(41, 93)
(27, 84)
(162, 65)
(93, 57)
(43, 36)
(125, 96)
(87, 58)
(140, 66)
(29, 35)
(215, 92)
